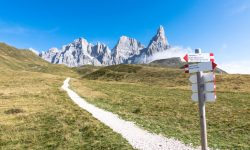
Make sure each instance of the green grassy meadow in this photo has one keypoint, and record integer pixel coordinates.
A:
(159, 100)
(36, 114)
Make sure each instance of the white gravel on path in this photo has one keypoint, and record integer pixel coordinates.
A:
(136, 136)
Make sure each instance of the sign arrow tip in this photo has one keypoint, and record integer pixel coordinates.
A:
(186, 57)
(214, 65)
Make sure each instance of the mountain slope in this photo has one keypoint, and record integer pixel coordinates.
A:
(16, 59)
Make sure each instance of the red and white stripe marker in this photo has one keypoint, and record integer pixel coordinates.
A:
(211, 57)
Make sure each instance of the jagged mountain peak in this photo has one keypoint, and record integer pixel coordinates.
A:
(158, 42)
(80, 40)
(100, 44)
(125, 39)
(161, 31)
(160, 37)
(100, 47)
(79, 43)
(127, 50)
(54, 50)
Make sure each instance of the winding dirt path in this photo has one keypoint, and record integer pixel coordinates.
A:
(136, 136)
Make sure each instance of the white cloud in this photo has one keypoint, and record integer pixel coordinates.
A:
(176, 51)
(236, 67)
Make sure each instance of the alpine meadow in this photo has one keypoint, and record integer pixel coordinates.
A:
(37, 114)
(125, 75)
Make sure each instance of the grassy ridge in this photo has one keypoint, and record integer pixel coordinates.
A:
(36, 114)
(140, 74)
(20, 60)
(159, 100)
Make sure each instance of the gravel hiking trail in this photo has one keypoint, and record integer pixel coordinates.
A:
(136, 136)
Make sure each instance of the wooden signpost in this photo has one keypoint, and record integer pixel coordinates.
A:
(203, 85)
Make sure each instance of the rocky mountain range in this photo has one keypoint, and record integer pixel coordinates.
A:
(126, 51)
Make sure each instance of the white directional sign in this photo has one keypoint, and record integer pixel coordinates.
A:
(201, 57)
(209, 97)
(206, 77)
(208, 87)
(204, 66)
(203, 85)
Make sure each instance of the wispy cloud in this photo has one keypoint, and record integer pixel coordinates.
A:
(241, 9)
(16, 29)
(236, 67)
(176, 51)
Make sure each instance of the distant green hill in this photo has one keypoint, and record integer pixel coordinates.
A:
(139, 74)
(176, 62)
(20, 59)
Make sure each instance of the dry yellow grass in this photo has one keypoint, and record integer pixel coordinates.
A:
(88, 91)
(36, 114)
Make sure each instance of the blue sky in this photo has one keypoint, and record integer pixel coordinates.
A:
(219, 26)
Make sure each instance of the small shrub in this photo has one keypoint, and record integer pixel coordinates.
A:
(136, 110)
(13, 111)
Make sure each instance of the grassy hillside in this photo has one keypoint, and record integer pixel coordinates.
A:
(140, 74)
(159, 99)
(176, 62)
(20, 60)
(36, 114)
(170, 62)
